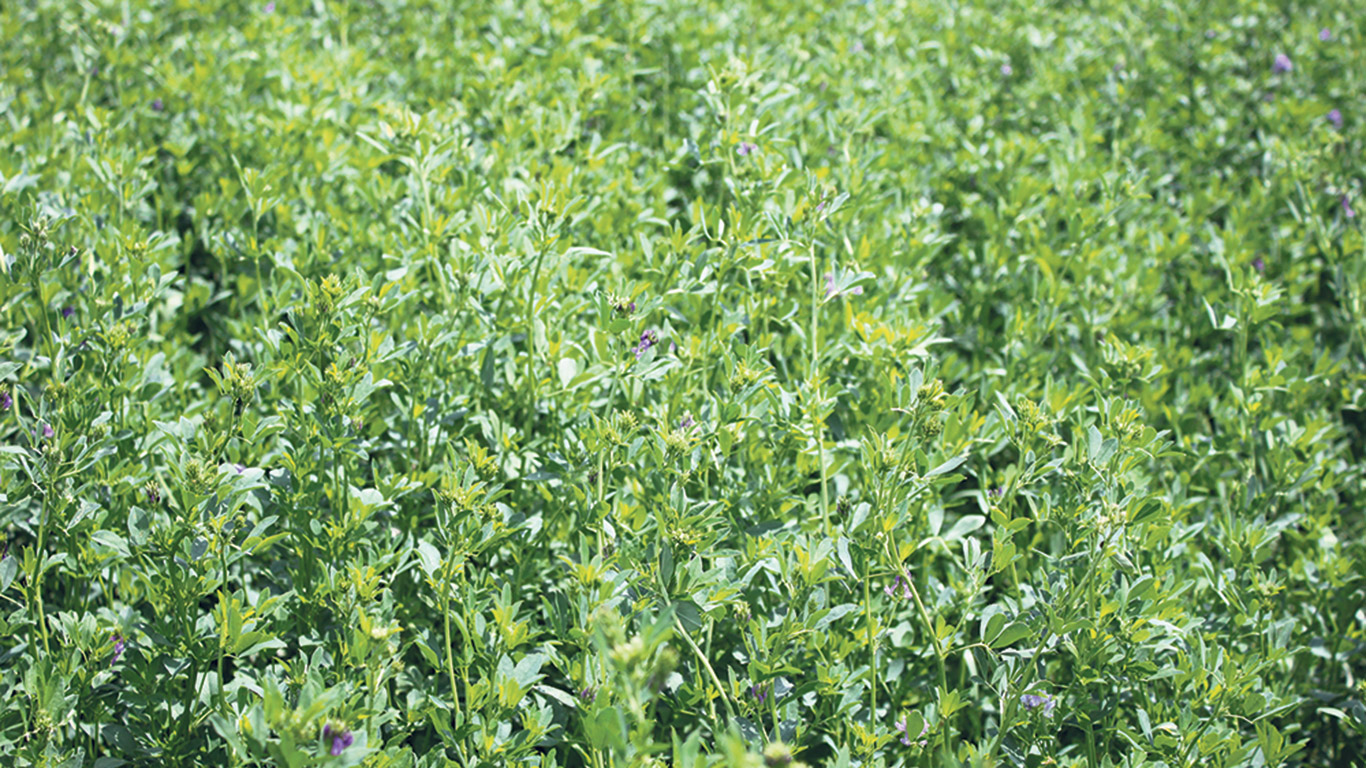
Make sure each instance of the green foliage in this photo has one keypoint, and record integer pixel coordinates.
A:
(660, 383)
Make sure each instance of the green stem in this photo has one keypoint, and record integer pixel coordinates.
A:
(702, 659)
(816, 391)
(37, 579)
(872, 649)
(450, 658)
(938, 652)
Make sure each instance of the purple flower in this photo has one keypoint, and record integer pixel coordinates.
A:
(240, 468)
(905, 737)
(647, 339)
(1032, 701)
(901, 726)
(686, 423)
(340, 742)
(1325, 34)
(996, 492)
(118, 648)
(156, 105)
(1258, 264)
(47, 430)
(831, 290)
(745, 149)
(759, 692)
(902, 583)
(1281, 64)
(1347, 208)
(5, 401)
(67, 312)
(1007, 70)
(270, 7)
(1335, 117)
(587, 695)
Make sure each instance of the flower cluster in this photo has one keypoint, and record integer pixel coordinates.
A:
(1033, 701)
(341, 739)
(906, 737)
(647, 339)
(832, 290)
(622, 305)
(759, 692)
(902, 583)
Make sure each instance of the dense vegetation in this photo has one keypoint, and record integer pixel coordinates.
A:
(662, 383)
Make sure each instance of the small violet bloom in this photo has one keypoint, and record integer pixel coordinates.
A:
(745, 149)
(1347, 208)
(340, 739)
(905, 737)
(996, 492)
(686, 422)
(1325, 34)
(587, 695)
(647, 339)
(759, 692)
(47, 431)
(67, 312)
(1281, 64)
(1335, 117)
(118, 648)
(5, 401)
(270, 7)
(1032, 701)
(1007, 70)
(831, 290)
(1258, 264)
(903, 584)
(157, 105)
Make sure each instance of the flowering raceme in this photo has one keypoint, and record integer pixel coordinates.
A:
(1033, 701)
(902, 584)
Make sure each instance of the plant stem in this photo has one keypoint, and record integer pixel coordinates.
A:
(37, 578)
(702, 658)
(938, 652)
(816, 390)
(450, 658)
(872, 648)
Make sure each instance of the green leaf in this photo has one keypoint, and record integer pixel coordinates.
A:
(568, 368)
(688, 614)
(429, 559)
(1093, 444)
(965, 525)
(1010, 635)
(947, 466)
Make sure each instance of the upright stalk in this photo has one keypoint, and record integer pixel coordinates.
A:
(36, 579)
(816, 389)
